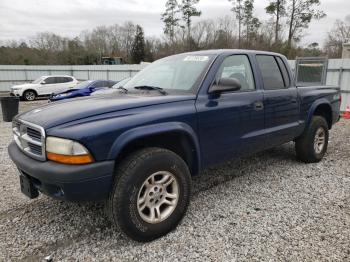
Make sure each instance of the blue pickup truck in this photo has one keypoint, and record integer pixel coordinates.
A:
(137, 149)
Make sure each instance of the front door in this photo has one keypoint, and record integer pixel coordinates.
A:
(48, 86)
(231, 123)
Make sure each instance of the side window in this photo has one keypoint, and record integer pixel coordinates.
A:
(99, 84)
(50, 80)
(111, 83)
(270, 71)
(65, 79)
(284, 71)
(237, 66)
(60, 80)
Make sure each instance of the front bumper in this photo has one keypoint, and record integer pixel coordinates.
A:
(15, 93)
(91, 182)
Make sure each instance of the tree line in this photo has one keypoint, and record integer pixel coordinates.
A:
(282, 32)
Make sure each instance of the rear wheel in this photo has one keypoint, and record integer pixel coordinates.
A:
(29, 95)
(312, 144)
(150, 195)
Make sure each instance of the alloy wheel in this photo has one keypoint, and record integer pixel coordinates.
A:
(320, 139)
(158, 197)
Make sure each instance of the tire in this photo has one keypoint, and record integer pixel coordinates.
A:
(310, 146)
(29, 95)
(130, 186)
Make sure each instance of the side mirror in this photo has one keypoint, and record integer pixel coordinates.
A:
(43, 82)
(225, 85)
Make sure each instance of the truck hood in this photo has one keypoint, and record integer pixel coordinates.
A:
(65, 111)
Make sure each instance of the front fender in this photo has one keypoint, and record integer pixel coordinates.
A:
(154, 129)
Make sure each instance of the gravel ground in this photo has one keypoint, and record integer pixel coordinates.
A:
(267, 207)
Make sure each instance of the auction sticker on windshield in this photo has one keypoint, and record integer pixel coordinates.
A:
(196, 58)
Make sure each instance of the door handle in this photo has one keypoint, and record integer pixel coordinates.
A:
(258, 106)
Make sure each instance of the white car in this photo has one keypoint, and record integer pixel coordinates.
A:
(43, 86)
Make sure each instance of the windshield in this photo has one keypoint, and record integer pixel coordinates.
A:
(83, 84)
(175, 73)
(38, 80)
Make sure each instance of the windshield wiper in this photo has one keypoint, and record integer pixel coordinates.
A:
(159, 89)
(123, 88)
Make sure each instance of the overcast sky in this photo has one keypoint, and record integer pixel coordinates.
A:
(21, 19)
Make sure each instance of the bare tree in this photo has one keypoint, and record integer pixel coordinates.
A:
(299, 15)
(170, 19)
(251, 23)
(47, 41)
(188, 12)
(238, 10)
(339, 34)
(277, 9)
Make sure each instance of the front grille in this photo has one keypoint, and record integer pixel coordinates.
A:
(35, 148)
(30, 138)
(35, 134)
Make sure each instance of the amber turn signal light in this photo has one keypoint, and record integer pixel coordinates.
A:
(71, 160)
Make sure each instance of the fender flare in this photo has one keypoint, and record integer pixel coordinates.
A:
(313, 107)
(155, 129)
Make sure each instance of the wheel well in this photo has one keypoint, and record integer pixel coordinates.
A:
(178, 142)
(30, 90)
(325, 111)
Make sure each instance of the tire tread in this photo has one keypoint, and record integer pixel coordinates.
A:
(113, 207)
(304, 143)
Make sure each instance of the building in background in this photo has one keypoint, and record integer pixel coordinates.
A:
(108, 60)
(346, 50)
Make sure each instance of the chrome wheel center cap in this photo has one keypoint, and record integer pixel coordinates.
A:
(155, 195)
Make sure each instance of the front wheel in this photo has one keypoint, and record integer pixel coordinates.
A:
(29, 95)
(312, 145)
(150, 195)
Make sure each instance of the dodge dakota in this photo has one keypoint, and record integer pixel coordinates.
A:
(138, 148)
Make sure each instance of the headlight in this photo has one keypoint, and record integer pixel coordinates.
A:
(67, 151)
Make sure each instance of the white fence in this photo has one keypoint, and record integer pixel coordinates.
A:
(338, 73)
(16, 74)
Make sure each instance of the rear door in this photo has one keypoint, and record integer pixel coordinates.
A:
(280, 100)
(63, 84)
